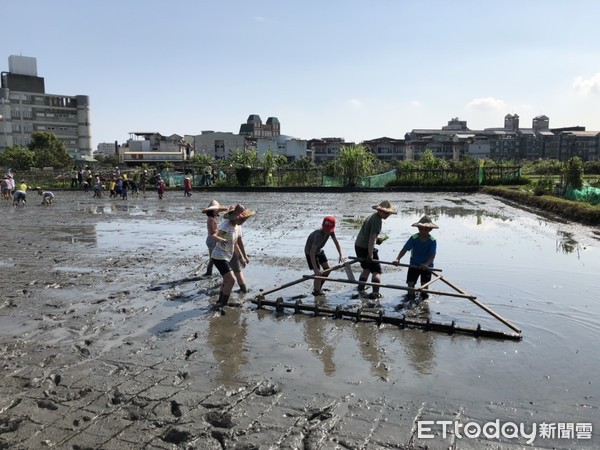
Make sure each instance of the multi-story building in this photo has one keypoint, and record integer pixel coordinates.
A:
(292, 148)
(107, 149)
(255, 129)
(218, 145)
(25, 107)
(510, 142)
(387, 149)
(326, 149)
(154, 148)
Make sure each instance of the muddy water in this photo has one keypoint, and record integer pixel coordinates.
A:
(541, 274)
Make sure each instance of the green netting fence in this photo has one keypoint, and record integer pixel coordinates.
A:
(586, 194)
(373, 181)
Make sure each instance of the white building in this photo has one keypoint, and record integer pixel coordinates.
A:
(107, 149)
(154, 148)
(25, 107)
(218, 145)
(291, 148)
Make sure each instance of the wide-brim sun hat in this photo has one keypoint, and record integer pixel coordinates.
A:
(385, 206)
(238, 211)
(214, 206)
(425, 222)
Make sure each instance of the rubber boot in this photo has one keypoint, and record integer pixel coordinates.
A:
(209, 268)
(361, 287)
(223, 299)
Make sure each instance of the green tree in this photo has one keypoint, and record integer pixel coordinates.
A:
(354, 161)
(574, 173)
(202, 160)
(17, 157)
(49, 151)
(430, 161)
(247, 158)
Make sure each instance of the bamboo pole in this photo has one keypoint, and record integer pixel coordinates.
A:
(389, 286)
(298, 281)
(391, 263)
(482, 306)
(437, 277)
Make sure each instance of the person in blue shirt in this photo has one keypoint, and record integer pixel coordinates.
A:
(422, 247)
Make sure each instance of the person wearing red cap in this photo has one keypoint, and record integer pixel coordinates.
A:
(315, 256)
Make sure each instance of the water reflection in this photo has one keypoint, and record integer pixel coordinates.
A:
(99, 209)
(565, 243)
(120, 207)
(452, 212)
(419, 346)
(315, 332)
(227, 336)
(366, 335)
(72, 234)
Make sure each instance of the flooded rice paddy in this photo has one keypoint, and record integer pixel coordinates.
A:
(540, 273)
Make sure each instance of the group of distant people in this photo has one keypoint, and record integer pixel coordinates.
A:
(227, 251)
(18, 192)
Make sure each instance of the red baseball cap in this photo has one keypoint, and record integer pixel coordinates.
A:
(329, 223)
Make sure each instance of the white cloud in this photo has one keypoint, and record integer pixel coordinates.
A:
(589, 86)
(354, 103)
(486, 104)
(415, 103)
(259, 19)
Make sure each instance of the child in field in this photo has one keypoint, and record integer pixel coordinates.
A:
(365, 246)
(423, 248)
(227, 246)
(19, 197)
(212, 227)
(187, 186)
(315, 256)
(160, 188)
(47, 196)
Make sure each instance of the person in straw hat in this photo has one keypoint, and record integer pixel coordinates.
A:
(422, 247)
(226, 246)
(212, 212)
(240, 258)
(365, 246)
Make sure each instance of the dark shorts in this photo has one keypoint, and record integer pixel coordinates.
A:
(321, 260)
(413, 275)
(222, 265)
(372, 266)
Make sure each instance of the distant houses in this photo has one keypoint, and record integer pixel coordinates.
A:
(25, 107)
(451, 141)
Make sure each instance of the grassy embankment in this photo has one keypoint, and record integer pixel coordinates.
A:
(567, 209)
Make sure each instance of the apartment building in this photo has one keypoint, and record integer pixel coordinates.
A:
(326, 149)
(25, 107)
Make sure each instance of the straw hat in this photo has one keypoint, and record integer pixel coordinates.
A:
(425, 222)
(238, 212)
(214, 206)
(385, 206)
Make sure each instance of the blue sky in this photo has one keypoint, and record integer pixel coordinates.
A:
(327, 68)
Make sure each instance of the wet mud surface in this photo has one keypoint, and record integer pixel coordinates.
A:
(110, 338)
